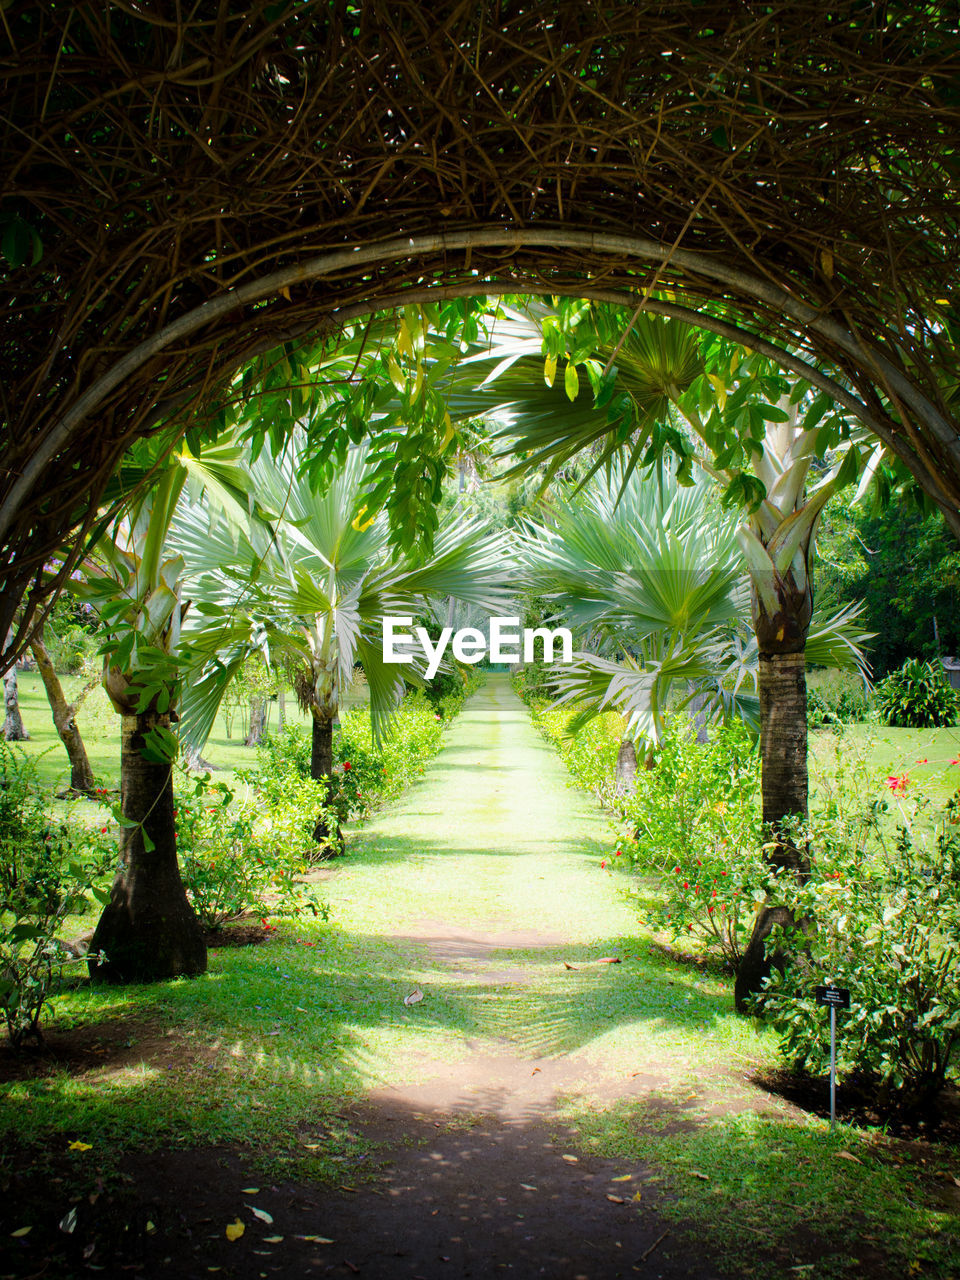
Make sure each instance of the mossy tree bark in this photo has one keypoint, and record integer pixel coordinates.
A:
(782, 686)
(65, 719)
(147, 931)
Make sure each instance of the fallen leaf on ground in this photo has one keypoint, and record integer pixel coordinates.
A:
(272, 1239)
(569, 966)
(344, 1188)
(846, 1155)
(535, 1071)
(80, 1146)
(150, 1228)
(316, 1239)
(609, 960)
(249, 1191)
(235, 1230)
(615, 1199)
(261, 1214)
(624, 1177)
(68, 1222)
(414, 997)
(527, 1187)
(638, 1196)
(299, 1009)
(570, 1159)
(21, 1231)
(702, 1176)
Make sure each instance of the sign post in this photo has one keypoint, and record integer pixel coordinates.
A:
(834, 998)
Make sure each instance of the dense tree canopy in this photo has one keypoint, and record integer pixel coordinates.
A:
(183, 194)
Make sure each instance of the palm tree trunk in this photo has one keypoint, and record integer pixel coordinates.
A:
(148, 930)
(64, 719)
(782, 686)
(325, 832)
(626, 771)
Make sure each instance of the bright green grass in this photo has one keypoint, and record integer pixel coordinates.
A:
(491, 841)
(924, 755)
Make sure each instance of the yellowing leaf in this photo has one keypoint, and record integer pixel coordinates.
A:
(702, 1176)
(272, 1239)
(261, 1214)
(285, 293)
(249, 1191)
(638, 1196)
(845, 1155)
(150, 1228)
(448, 433)
(414, 997)
(615, 1199)
(720, 388)
(569, 1159)
(20, 1232)
(624, 1177)
(235, 1230)
(571, 381)
(549, 370)
(316, 1239)
(80, 1146)
(396, 373)
(404, 342)
(826, 262)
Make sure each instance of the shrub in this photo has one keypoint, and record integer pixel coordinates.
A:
(591, 754)
(918, 696)
(887, 928)
(46, 872)
(837, 700)
(234, 859)
(695, 818)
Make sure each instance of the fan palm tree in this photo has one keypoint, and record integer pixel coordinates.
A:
(314, 592)
(654, 574)
(134, 582)
(633, 389)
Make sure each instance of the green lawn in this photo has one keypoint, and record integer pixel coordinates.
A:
(267, 1049)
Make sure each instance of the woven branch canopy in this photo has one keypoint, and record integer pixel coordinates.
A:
(181, 193)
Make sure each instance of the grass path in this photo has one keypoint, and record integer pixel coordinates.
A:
(537, 1113)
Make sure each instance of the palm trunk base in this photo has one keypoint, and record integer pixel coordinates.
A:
(756, 965)
(148, 931)
(146, 940)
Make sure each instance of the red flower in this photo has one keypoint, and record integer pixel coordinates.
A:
(603, 863)
(957, 761)
(686, 884)
(103, 831)
(897, 782)
(923, 761)
(618, 854)
(346, 764)
(676, 871)
(710, 910)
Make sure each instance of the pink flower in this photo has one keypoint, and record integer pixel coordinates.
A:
(897, 782)
(603, 863)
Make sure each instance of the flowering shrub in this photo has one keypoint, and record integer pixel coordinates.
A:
(234, 860)
(364, 776)
(887, 928)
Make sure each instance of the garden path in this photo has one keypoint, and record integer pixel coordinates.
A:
(498, 889)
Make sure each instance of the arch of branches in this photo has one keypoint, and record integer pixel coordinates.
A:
(184, 188)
